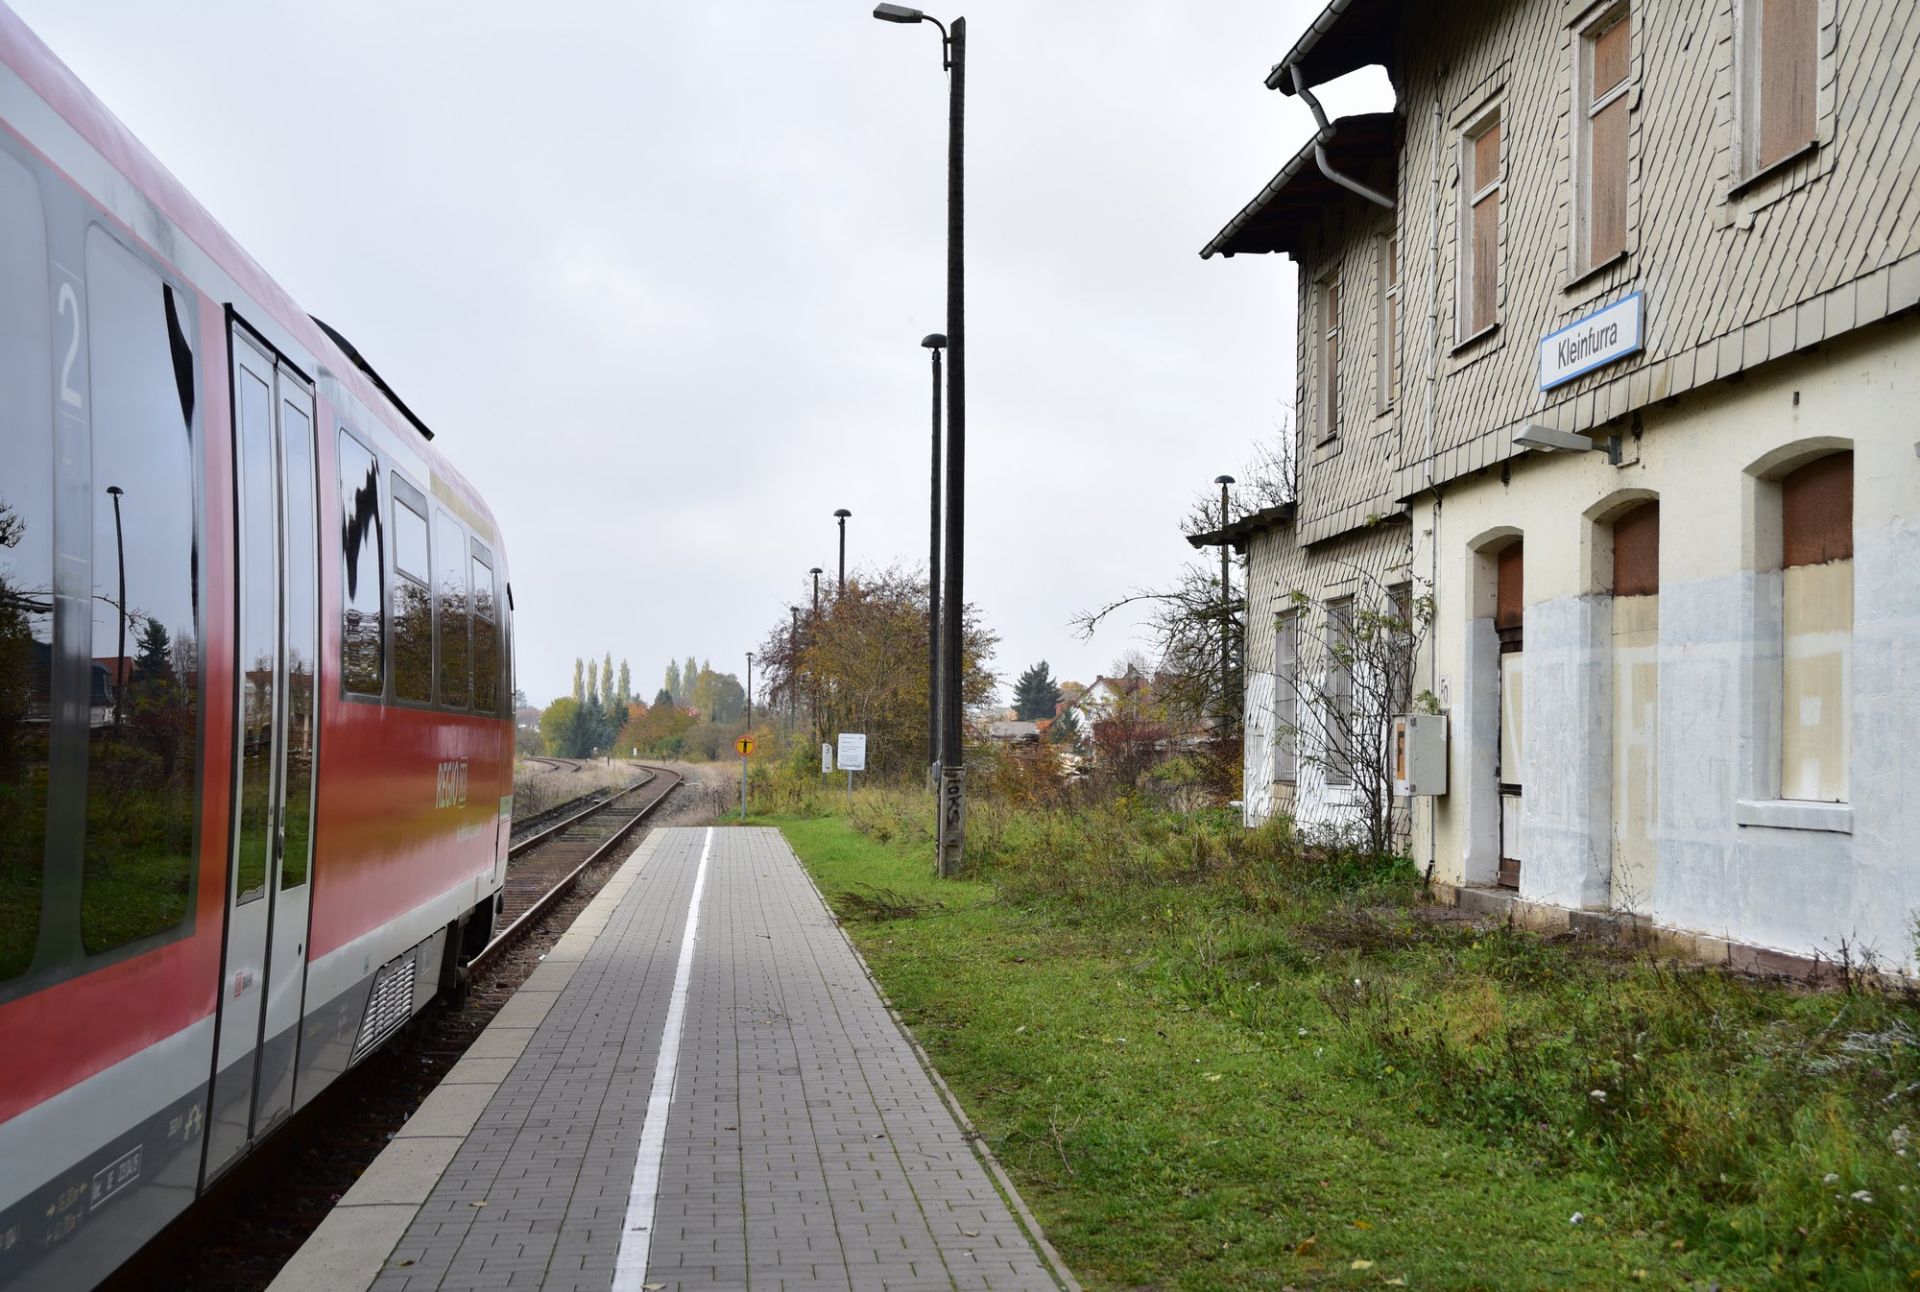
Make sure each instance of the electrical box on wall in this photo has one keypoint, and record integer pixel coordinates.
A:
(1419, 754)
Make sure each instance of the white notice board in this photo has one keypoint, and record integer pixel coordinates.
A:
(853, 751)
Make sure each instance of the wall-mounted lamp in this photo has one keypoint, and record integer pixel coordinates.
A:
(1549, 439)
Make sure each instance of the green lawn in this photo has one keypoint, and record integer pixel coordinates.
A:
(1196, 1084)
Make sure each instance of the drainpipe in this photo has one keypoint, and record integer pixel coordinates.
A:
(1320, 144)
(1433, 539)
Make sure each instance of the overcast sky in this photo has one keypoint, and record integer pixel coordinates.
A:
(656, 275)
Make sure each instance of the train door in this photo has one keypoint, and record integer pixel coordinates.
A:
(263, 978)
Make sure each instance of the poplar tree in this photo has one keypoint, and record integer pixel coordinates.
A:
(606, 678)
(671, 687)
(579, 682)
(625, 694)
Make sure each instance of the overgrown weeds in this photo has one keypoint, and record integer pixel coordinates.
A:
(1754, 1132)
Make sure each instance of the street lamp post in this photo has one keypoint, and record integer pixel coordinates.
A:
(749, 690)
(1226, 616)
(793, 666)
(120, 656)
(952, 736)
(816, 572)
(841, 515)
(935, 343)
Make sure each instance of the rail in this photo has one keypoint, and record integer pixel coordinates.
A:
(660, 778)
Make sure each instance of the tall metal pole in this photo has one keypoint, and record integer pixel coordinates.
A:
(953, 789)
(1226, 616)
(841, 516)
(934, 344)
(120, 658)
(793, 665)
(816, 572)
(749, 690)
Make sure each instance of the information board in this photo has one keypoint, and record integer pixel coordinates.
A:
(853, 751)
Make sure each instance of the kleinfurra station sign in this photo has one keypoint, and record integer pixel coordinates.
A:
(1601, 338)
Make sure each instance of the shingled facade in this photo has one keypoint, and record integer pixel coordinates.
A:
(1608, 362)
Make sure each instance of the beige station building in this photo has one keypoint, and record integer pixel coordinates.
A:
(1608, 420)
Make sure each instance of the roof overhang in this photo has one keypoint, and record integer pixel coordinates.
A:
(1242, 531)
(1348, 34)
(1293, 202)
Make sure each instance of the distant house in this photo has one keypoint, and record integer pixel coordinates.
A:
(1008, 731)
(526, 718)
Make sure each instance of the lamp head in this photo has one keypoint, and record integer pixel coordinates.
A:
(934, 340)
(1535, 436)
(115, 490)
(842, 513)
(1223, 480)
(897, 13)
(815, 571)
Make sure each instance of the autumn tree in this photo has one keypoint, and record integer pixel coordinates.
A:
(861, 665)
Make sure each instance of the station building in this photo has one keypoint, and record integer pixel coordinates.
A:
(1609, 401)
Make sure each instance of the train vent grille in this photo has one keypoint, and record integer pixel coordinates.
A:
(389, 1004)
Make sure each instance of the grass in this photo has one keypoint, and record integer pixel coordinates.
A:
(1215, 1059)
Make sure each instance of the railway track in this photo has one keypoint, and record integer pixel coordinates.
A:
(542, 866)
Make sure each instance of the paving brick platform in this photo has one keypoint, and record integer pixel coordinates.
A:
(804, 1146)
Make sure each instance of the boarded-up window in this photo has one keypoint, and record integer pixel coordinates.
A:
(1400, 683)
(1339, 705)
(1781, 52)
(1605, 53)
(1636, 552)
(1481, 164)
(1509, 591)
(1389, 321)
(1286, 696)
(1816, 518)
(1816, 521)
(1330, 358)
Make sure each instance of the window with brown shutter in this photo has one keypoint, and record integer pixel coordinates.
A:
(1780, 51)
(1330, 358)
(1605, 56)
(1480, 163)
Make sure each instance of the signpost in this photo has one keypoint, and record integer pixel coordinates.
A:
(853, 757)
(826, 759)
(745, 746)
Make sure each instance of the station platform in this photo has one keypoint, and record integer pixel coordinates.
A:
(699, 1087)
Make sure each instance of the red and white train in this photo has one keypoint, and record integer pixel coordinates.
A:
(255, 678)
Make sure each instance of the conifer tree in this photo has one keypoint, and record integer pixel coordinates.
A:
(1036, 695)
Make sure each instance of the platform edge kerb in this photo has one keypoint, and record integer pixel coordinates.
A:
(1028, 1221)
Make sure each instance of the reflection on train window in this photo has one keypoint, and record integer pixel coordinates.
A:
(26, 561)
(143, 707)
(302, 624)
(412, 605)
(259, 624)
(486, 636)
(362, 640)
(450, 583)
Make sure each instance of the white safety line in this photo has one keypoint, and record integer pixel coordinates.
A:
(636, 1234)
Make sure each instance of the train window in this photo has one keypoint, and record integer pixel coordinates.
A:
(486, 635)
(412, 602)
(26, 561)
(144, 711)
(363, 598)
(450, 587)
(302, 628)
